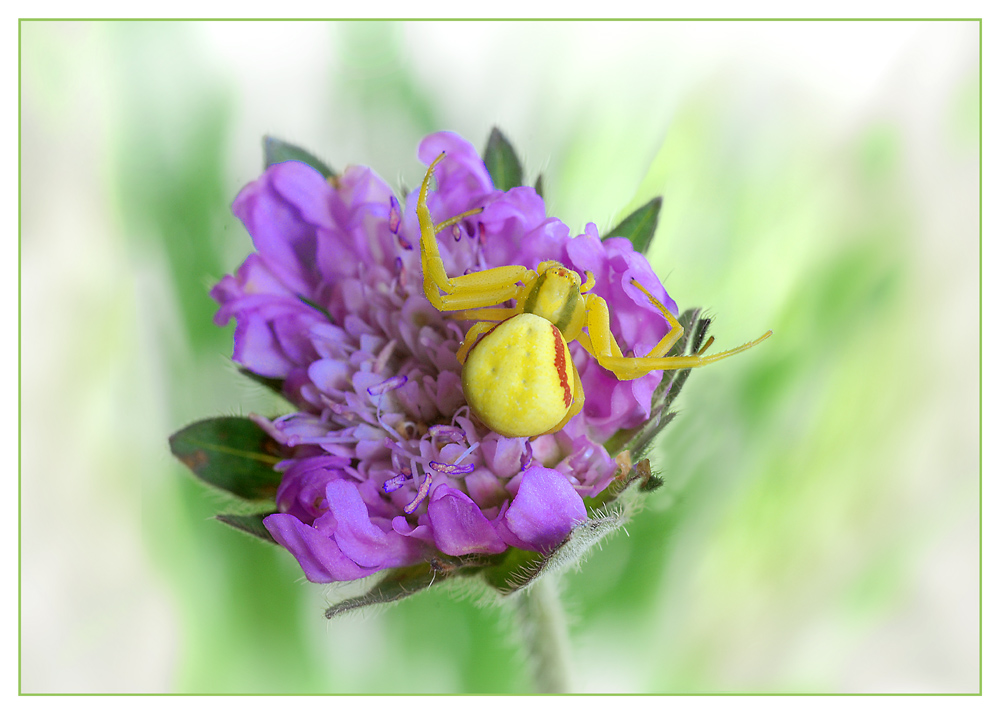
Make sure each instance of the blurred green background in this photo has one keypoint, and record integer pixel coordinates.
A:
(819, 528)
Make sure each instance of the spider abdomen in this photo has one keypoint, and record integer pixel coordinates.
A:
(519, 378)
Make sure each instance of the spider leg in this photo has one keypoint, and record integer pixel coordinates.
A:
(666, 343)
(602, 345)
(676, 331)
(438, 227)
(481, 289)
(466, 295)
(634, 367)
(487, 314)
(470, 339)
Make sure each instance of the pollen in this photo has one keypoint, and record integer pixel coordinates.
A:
(422, 491)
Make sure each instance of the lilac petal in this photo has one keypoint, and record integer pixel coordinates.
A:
(253, 283)
(291, 330)
(329, 341)
(413, 400)
(624, 404)
(642, 391)
(587, 250)
(226, 292)
(283, 238)
(588, 465)
(256, 348)
(486, 489)
(359, 186)
(515, 230)
(543, 512)
(321, 559)
(459, 525)
(520, 203)
(298, 428)
(462, 172)
(545, 449)
(302, 492)
(421, 531)
(306, 189)
(360, 539)
(330, 375)
(503, 454)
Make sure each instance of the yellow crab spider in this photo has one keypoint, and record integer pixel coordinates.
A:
(517, 371)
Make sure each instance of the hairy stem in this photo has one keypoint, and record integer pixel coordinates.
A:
(542, 622)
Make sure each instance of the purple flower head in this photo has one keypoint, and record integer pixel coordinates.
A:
(389, 468)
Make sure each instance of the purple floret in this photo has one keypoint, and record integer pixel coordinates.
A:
(389, 468)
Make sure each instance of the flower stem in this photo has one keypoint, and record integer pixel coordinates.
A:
(543, 627)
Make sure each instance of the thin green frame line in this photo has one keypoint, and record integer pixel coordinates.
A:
(501, 19)
(685, 19)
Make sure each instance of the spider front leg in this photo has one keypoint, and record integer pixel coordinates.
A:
(485, 288)
(605, 349)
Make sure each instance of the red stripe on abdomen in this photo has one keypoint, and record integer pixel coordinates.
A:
(561, 367)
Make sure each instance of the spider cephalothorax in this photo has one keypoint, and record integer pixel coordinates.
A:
(518, 374)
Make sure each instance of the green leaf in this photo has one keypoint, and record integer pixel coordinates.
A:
(639, 226)
(672, 382)
(252, 523)
(231, 453)
(272, 383)
(502, 162)
(538, 186)
(640, 442)
(317, 307)
(700, 330)
(513, 570)
(398, 584)
(651, 484)
(277, 151)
